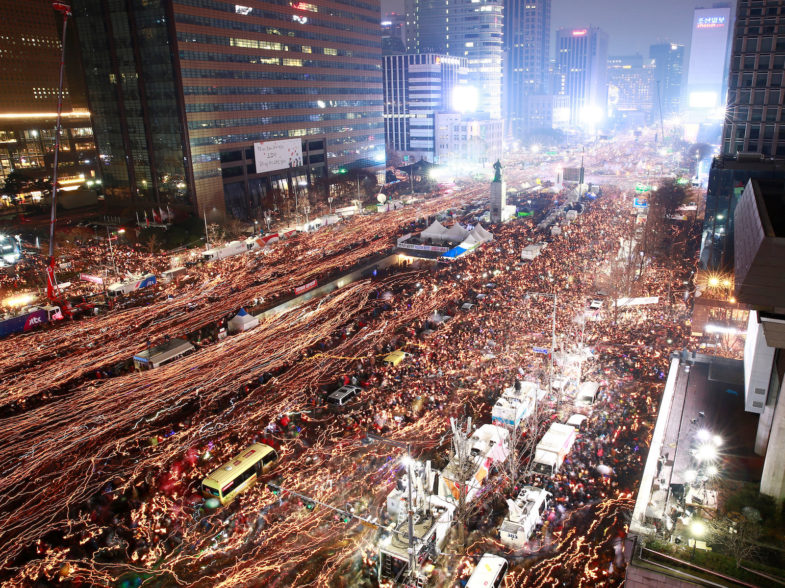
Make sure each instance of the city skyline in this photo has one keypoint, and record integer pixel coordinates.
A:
(665, 21)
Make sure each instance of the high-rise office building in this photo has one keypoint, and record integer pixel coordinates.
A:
(475, 31)
(30, 50)
(582, 73)
(229, 105)
(394, 33)
(754, 130)
(755, 120)
(466, 28)
(527, 28)
(429, 25)
(668, 61)
(416, 87)
(708, 63)
(631, 90)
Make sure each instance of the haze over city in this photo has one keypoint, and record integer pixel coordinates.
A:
(434, 293)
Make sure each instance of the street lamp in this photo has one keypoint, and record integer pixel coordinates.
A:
(330, 204)
(697, 530)
(111, 251)
(553, 340)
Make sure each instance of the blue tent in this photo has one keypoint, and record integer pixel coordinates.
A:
(455, 252)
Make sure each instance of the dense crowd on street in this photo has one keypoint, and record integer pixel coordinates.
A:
(459, 358)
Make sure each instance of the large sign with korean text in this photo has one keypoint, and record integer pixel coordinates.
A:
(277, 155)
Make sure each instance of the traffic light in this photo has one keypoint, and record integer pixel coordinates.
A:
(341, 170)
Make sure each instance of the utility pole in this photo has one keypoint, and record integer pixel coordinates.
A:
(206, 233)
(409, 502)
(659, 102)
(553, 346)
(111, 251)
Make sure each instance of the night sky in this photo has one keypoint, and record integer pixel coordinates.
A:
(632, 25)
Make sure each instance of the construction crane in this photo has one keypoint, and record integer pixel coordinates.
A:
(52, 290)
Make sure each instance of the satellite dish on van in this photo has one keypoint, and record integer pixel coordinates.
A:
(381, 198)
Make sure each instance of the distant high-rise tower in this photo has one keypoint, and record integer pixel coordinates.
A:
(755, 121)
(631, 90)
(30, 50)
(527, 28)
(416, 88)
(708, 63)
(466, 28)
(581, 63)
(668, 61)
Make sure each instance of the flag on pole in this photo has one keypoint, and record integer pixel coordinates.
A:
(137, 219)
(146, 220)
(156, 218)
(169, 215)
(163, 214)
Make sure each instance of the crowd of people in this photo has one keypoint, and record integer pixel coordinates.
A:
(460, 357)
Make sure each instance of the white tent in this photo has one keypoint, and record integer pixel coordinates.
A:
(242, 321)
(435, 231)
(478, 236)
(455, 233)
(471, 240)
(482, 232)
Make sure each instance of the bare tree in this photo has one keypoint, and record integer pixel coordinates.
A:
(523, 441)
(152, 243)
(215, 233)
(736, 535)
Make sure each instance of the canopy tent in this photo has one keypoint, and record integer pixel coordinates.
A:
(242, 321)
(435, 231)
(480, 230)
(455, 233)
(455, 252)
(478, 236)
(471, 241)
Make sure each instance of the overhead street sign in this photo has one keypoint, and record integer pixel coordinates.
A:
(542, 350)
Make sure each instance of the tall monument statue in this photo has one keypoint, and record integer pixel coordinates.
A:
(498, 169)
(498, 200)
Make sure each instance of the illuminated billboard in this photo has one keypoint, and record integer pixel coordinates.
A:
(277, 155)
(711, 29)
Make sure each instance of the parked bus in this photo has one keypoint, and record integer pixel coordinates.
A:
(239, 474)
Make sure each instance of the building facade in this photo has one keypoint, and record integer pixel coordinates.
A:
(631, 91)
(394, 33)
(416, 87)
(190, 97)
(708, 64)
(668, 62)
(755, 121)
(470, 29)
(30, 50)
(760, 283)
(527, 38)
(466, 139)
(581, 67)
(475, 31)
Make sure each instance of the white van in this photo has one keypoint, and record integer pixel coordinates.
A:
(524, 514)
(490, 572)
(587, 393)
(343, 395)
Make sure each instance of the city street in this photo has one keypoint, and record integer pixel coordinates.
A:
(102, 467)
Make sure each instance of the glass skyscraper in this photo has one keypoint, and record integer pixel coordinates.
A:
(183, 90)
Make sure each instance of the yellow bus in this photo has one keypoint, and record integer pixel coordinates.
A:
(395, 357)
(239, 474)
